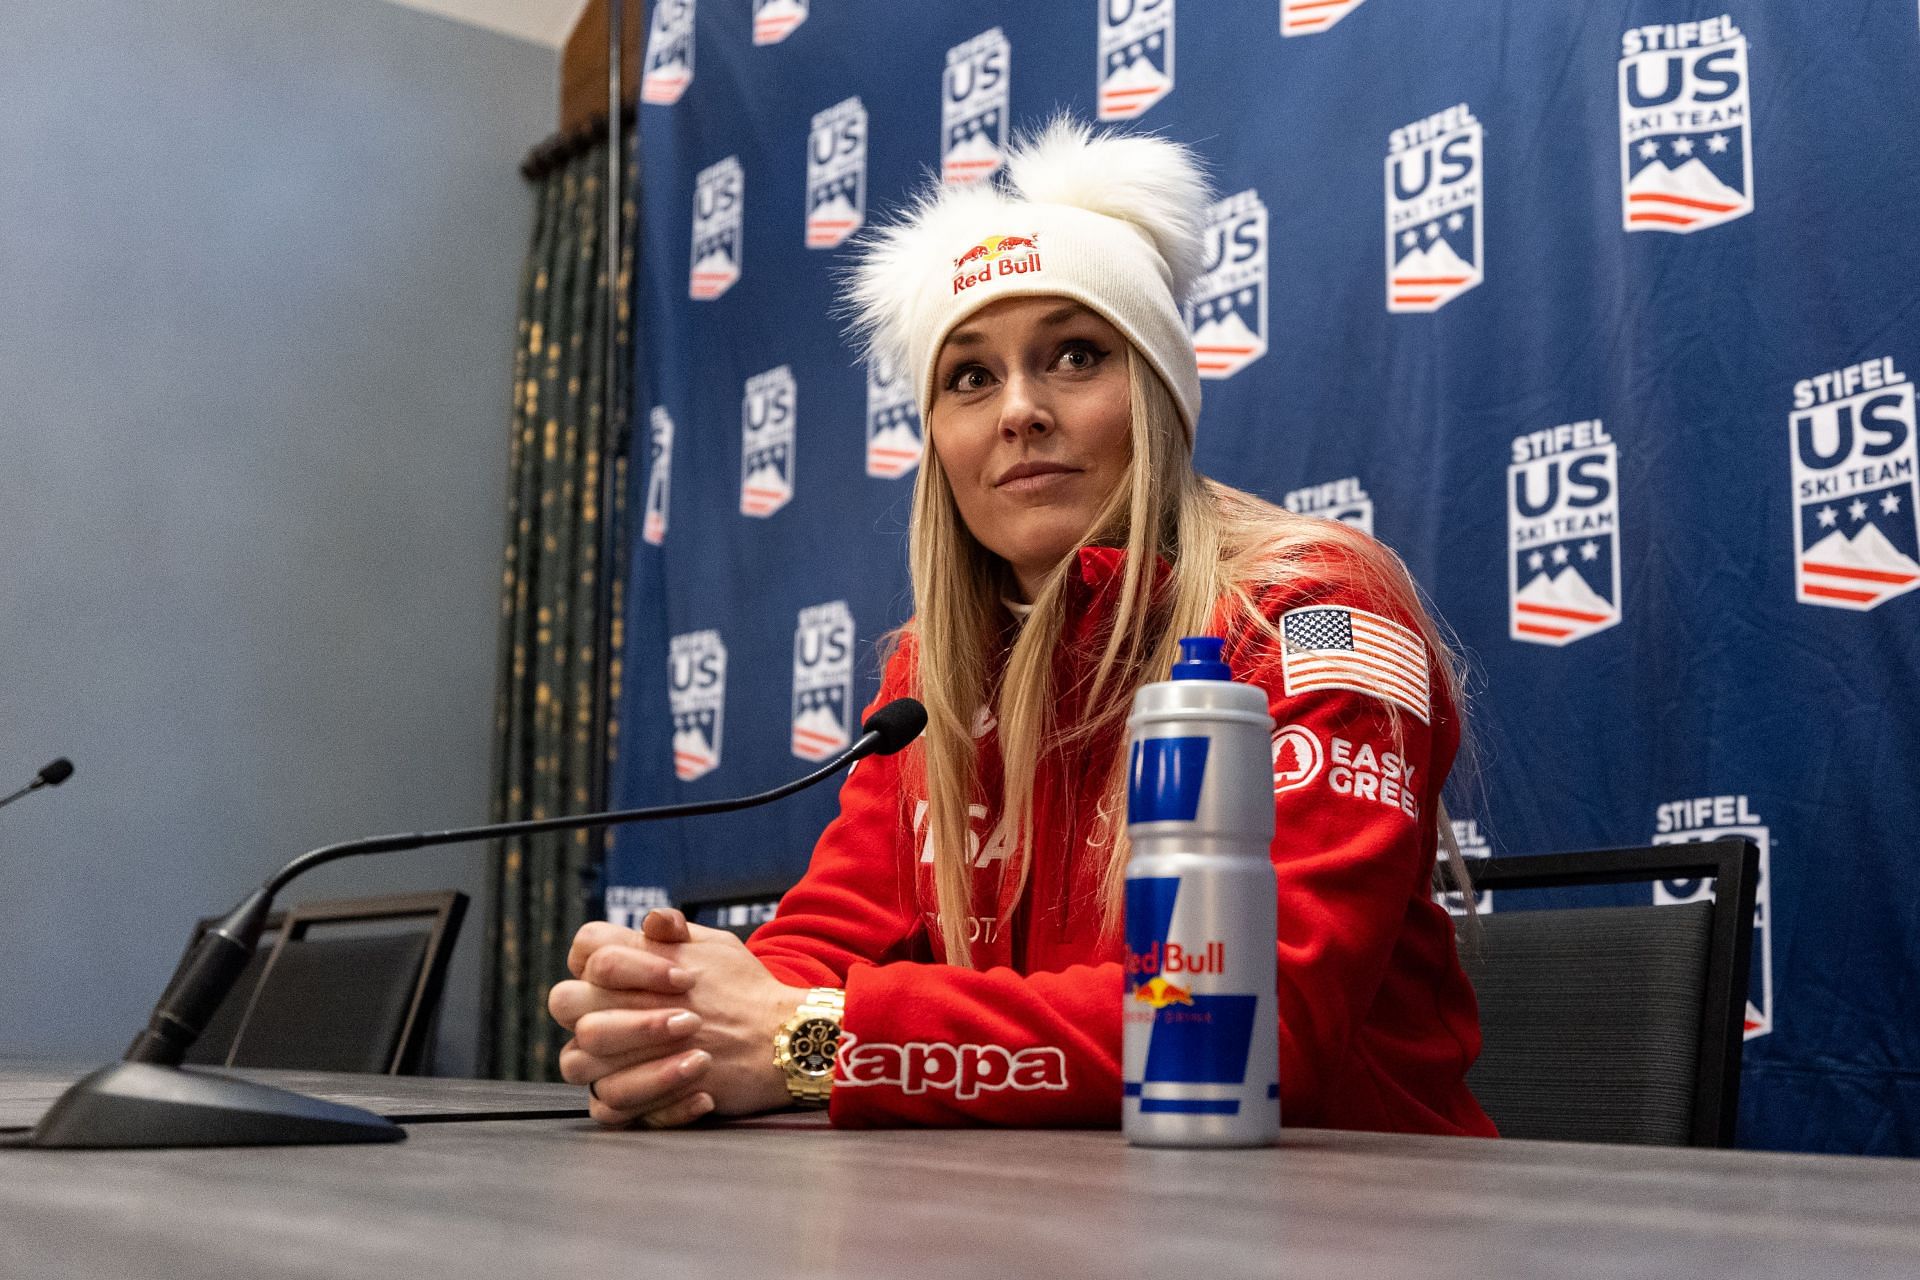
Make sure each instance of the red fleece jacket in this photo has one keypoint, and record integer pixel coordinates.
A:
(1378, 1024)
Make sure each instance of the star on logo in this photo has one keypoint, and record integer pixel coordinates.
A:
(1890, 503)
(1717, 143)
(1410, 238)
(1456, 221)
(1857, 510)
(1649, 149)
(1559, 555)
(1589, 550)
(1826, 516)
(1246, 297)
(1433, 231)
(1535, 560)
(1683, 146)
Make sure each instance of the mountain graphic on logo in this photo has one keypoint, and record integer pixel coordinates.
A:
(1137, 74)
(1435, 262)
(892, 451)
(1693, 180)
(974, 158)
(692, 754)
(1867, 549)
(1682, 199)
(775, 21)
(835, 206)
(1227, 331)
(817, 734)
(1566, 591)
(765, 480)
(715, 262)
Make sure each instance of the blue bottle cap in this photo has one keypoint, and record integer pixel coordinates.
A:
(1200, 659)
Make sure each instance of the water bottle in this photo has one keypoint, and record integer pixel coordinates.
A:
(1201, 1043)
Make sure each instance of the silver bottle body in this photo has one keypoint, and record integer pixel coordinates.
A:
(1201, 1051)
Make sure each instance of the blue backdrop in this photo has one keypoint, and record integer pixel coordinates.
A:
(1604, 315)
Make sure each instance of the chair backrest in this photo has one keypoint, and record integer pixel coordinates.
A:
(1615, 1024)
(351, 985)
(216, 1042)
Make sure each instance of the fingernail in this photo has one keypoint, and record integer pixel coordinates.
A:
(680, 978)
(683, 1022)
(696, 1061)
(702, 1104)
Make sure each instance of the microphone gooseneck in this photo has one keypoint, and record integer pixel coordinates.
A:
(205, 977)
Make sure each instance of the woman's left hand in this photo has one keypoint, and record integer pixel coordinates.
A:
(625, 977)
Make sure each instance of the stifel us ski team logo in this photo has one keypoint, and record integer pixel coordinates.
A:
(1344, 500)
(1852, 435)
(1136, 56)
(719, 207)
(823, 681)
(1306, 17)
(836, 174)
(653, 525)
(774, 20)
(697, 697)
(973, 107)
(1686, 127)
(768, 418)
(1227, 314)
(893, 422)
(1563, 526)
(669, 66)
(1435, 250)
(1712, 818)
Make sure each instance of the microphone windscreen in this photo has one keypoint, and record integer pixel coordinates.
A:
(60, 770)
(897, 723)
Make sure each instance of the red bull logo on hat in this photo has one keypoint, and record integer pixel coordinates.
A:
(996, 257)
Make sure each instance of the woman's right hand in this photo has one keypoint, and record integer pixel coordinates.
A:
(632, 1045)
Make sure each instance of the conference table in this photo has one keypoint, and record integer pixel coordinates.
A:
(506, 1179)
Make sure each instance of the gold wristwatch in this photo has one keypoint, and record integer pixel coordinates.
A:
(803, 1048)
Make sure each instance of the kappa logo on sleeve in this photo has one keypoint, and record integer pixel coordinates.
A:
(965, 1070)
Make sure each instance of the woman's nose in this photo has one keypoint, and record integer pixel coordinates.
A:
(1024, 409)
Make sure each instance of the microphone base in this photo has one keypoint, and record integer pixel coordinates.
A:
(138, 1104)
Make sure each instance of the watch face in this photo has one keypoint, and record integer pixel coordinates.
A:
(811, 1046)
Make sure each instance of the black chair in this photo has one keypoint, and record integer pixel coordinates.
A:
(1618, 1023)
(350, 985)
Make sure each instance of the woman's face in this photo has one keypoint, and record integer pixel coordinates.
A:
(1030, 423)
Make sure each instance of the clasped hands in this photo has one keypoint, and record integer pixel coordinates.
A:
(670, 1022)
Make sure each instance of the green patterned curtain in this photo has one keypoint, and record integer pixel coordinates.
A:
(545, 733)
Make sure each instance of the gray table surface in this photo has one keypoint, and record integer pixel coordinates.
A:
(27, 1090)
(789, 1196)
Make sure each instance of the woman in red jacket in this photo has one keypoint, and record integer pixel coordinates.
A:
(952, 955)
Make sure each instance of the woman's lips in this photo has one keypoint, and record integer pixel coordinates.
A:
(1035, 477)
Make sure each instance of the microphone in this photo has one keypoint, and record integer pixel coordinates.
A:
(55, 772)
(142, 1100)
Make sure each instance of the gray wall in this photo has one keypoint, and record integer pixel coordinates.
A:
(258, 274)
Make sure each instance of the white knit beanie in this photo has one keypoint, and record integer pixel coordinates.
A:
(1113, 222)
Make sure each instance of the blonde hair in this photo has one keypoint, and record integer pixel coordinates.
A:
(1222, 545)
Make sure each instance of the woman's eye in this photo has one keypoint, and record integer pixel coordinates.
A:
(1081, 356)
(968, 377)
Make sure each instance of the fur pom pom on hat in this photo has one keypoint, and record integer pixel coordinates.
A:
(1114, 222)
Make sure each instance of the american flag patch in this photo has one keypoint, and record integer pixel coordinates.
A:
(1353, 649)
